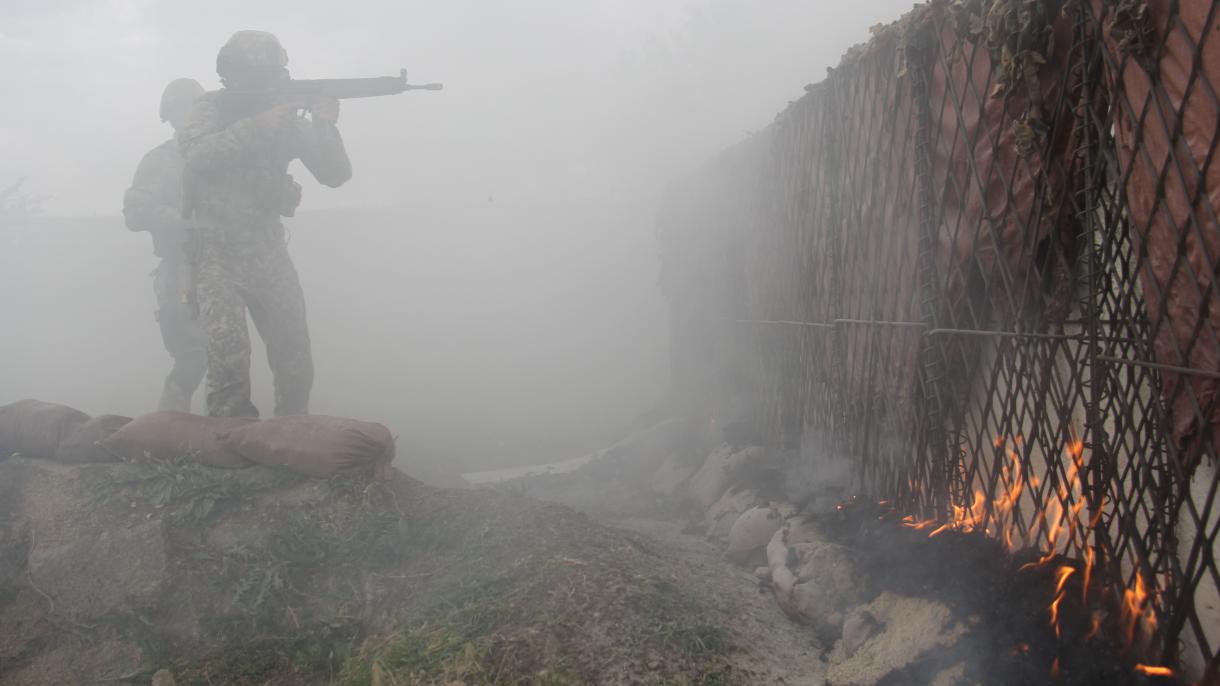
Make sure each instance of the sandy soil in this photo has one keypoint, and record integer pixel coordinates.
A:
(780, 650)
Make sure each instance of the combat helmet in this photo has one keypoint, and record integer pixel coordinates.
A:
(177, 95)
(250, 51)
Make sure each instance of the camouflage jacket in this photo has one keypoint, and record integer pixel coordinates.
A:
(154, 201)
(236, 164)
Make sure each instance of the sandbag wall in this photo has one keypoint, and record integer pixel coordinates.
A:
(986, 246)
(311, 445)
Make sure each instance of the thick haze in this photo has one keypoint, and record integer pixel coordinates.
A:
(485, 284)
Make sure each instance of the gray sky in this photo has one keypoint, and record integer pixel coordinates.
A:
(582, 98)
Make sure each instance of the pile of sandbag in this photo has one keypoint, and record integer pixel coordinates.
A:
(312, 445)
(745, 493)
(746, 509)
(55, 432)
(178, 435)
(317, 446)
(735, 511)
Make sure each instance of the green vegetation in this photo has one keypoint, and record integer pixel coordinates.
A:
(357, 582)
(186, 491)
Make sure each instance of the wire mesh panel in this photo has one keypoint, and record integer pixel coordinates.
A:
(980, 259)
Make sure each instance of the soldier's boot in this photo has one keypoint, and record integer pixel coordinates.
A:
(224, 401)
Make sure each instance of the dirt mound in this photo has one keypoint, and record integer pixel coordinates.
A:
(113, 572)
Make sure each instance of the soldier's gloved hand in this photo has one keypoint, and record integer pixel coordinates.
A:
(325, 110)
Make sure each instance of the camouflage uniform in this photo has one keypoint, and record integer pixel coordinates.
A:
(154, 204)
(237, 186)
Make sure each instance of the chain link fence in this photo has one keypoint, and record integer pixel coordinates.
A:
(980, 258)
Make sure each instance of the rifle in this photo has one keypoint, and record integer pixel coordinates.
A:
(305, 89)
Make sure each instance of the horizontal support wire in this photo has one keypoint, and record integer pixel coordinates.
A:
(1162, 367)
(837, 324)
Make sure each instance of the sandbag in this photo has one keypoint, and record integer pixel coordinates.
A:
(813, 579)
(752, 530)
(82, 445)
(35, 429)
(720, 517)
(718, 473)
(172, 435)
(313, 445)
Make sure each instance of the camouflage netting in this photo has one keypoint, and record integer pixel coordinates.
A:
(988, 235)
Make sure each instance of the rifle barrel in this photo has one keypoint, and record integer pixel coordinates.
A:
(347, 88)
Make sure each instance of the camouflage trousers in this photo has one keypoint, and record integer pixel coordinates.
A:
(183, 337)
(251, 271)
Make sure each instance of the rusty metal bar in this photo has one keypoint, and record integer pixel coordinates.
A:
(782, 322)
(1082, 337)
(881, 323)
(1162, 367)
(834, 323)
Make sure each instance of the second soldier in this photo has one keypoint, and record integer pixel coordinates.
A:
(154, 204)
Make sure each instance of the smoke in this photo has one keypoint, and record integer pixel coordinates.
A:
(485, 284)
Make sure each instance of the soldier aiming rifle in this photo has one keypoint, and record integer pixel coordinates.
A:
(237, 144)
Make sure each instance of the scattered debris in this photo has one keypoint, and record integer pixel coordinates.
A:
(859, 626)
(913, 627)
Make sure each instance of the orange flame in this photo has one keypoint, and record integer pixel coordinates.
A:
(1136, 608)
(1062, 576)
(1095, 627)
(939, 529)
(909, 522)
(1058, 529)
(1060, 516)
(1076, 448)
(1151, 670)
(1089, 557)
